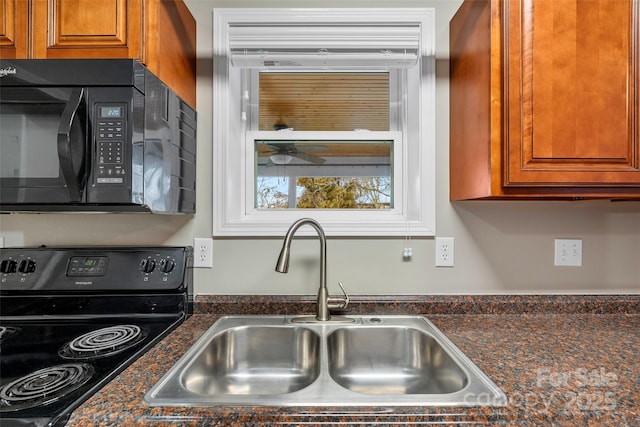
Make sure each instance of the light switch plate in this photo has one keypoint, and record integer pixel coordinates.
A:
(568, 252)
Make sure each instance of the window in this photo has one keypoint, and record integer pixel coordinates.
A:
(327, 114)
(314, 148)
(344, 170)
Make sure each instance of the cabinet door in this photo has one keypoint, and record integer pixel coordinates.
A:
(87, 29)
(572, 92)
(13, 29)
(170, 46)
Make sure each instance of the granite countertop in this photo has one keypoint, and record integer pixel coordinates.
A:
(561, 360)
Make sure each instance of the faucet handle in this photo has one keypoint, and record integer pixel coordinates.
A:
(338, 302)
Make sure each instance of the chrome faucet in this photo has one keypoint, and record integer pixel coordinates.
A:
(326, 302)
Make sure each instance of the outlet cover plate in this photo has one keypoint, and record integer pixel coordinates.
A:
(444, 252)
(203, 252)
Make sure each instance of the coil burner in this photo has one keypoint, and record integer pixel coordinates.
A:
(47, 313)
(103, 342)
(44, 386)
(7, 332)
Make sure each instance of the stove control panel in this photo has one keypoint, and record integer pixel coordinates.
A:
(163, 265)
(87, 266)
(24, 266)
(95, 269)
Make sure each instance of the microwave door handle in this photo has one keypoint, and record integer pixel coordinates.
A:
(65, 144)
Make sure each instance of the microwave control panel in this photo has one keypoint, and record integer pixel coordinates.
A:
(110, 136)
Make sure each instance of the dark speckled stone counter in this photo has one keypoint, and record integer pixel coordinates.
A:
(561, 360)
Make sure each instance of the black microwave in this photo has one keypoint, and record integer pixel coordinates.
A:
(102, 135)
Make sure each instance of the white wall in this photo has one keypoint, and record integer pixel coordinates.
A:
(501, 247)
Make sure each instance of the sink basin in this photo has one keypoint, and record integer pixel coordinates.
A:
(373, 361)
(392, 360)
(255, 360)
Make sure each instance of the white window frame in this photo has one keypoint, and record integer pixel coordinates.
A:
(233, 178)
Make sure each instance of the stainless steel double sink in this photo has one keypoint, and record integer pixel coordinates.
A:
(375, 360)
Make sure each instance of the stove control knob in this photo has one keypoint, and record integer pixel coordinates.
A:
(27, 266)
(148, 265)
(167, 265)
(8, 266)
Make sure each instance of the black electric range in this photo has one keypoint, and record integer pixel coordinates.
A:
(71, 319)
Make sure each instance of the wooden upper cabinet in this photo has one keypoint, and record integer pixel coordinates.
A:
(545, 99)
(13, 28)
(170, 45)
(87, 29)
(160, 33)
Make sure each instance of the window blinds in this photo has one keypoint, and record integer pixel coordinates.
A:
(324, 45)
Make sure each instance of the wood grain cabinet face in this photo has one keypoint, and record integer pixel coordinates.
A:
(554, 87)
(572, 76)
(87, 29)
(13, 28)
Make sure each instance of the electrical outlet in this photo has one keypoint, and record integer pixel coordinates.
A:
(444, 252)
(568, 252)
(203, 252)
